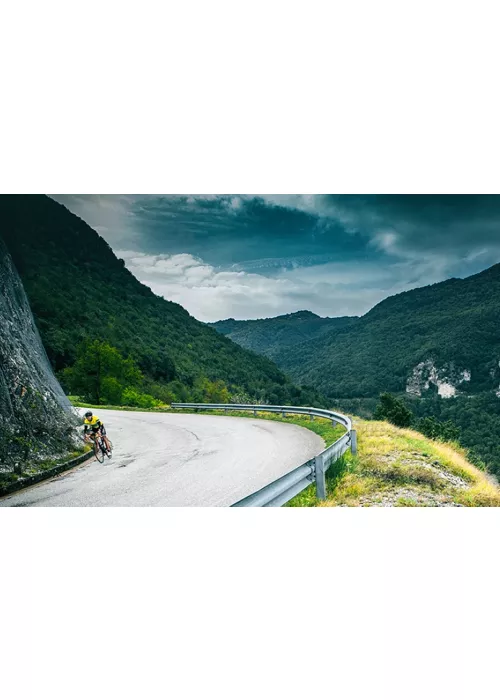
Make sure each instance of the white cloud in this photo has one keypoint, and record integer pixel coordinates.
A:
(332, 289)
(207, 293)
(386, 241)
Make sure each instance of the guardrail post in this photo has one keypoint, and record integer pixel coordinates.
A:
(254, 413)
(354, 442)
(283, 414)
(311, 417)
(319, 469)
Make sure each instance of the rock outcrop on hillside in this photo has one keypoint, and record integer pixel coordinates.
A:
(447, 379)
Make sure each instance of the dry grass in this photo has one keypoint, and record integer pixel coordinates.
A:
(399, 467)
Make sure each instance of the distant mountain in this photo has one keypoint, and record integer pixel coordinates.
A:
(80, 291)
(444, 338)
(271, 336)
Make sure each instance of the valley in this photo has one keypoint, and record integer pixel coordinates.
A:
(436, 347)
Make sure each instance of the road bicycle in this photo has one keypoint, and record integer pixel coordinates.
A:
(100, 449)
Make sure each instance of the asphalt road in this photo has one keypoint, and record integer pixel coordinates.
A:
(165, 459)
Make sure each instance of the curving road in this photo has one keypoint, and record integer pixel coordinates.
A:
(167, 459)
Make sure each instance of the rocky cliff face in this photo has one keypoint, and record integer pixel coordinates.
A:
(36, 418)
(447, 379)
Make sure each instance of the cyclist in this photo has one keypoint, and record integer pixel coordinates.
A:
(93, 424)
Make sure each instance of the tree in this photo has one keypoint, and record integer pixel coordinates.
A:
(438, 430)
(100, 373)
(393, 410)
(212, 392)
(429, 427)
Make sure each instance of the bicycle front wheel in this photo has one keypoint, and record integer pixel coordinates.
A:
(99, 453)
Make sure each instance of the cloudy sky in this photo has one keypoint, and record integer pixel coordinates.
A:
(255, 256)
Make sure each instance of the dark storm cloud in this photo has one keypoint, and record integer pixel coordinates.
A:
(421, 222)
(229, 230)
(234, 229)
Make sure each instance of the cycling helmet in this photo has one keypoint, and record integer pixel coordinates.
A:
(88, 414)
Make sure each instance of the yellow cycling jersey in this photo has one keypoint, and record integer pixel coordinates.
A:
(93, 422)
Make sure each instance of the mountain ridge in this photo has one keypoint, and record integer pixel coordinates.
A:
(271, 335)
(450, 327)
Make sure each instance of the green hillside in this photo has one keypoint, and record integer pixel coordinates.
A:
(269, 336)
(80, 292)
(452, 326)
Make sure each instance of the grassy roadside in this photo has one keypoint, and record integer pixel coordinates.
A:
(402, 468)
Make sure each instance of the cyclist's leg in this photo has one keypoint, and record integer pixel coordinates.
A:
(94, 439)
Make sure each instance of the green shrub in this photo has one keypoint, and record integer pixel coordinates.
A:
(111, 391)
(132, 397)
(393, 410)
(438, 430)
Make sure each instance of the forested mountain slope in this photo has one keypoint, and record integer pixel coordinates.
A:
(80, 291)
(441, 338)
(269, 336)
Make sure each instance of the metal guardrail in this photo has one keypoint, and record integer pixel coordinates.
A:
(279, 492)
